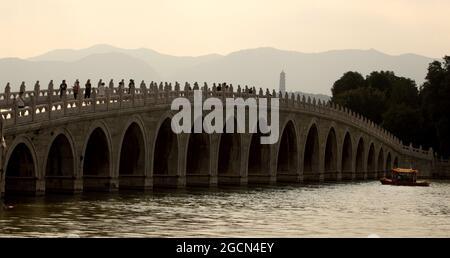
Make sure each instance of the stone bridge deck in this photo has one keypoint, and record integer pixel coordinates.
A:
(124, 140)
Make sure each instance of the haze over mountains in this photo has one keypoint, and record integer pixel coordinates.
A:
(260, 67)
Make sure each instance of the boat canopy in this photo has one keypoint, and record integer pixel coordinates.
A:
(404, 171)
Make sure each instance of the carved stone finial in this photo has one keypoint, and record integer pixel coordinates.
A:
(50, 85)
(22, 87)
(37, 86)
(143, 85)
(7, 88)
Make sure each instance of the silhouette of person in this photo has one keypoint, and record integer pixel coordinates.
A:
(62, 88)
(88, 89)
(101, 89)
(131, 86)
(76, 89)
(121, 85)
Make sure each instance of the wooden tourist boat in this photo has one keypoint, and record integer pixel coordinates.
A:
(405, 177)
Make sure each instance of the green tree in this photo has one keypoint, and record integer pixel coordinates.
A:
(403, 120)
(348, 81)
(435, 96)
(418, 116)
(404, 91)
(367, 101)
(383, 81)
(385, 99)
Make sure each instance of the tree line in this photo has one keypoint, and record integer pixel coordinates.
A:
(417, 114)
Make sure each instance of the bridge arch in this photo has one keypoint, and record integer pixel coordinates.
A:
(388, 165)
(380, 163)
(229, 153)
(132, 155)
(198, 157)
(21, 170)
(287, 149)
(360, 159)
(371, 162)
(347, 157)
(311, 154)
(165, 149)
(395, 164)
(97, 158)
(60, 163)
(258, 161)
(331, 156)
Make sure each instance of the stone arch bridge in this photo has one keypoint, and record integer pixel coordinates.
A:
(123, 140)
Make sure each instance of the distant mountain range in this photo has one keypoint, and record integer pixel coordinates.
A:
(260, 67)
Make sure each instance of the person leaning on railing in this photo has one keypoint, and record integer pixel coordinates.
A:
(19, 101)
(76, 89)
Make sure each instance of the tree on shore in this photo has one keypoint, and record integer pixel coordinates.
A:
(421, 116)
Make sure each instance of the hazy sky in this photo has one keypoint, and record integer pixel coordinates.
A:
(196, 27)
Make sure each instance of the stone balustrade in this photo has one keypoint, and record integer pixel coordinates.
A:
(47, 104)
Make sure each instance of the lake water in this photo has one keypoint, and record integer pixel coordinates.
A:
(338, 210)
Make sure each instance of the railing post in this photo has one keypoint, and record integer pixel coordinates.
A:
(33, 106)
(156, 92)
(94, 98)
(143, 92)
(37, 89)
(49, 99)
(132, 96)
(8, 94)
(80, 103)
(107, 95)
(64, 104)
(16, 110)
(120, 90)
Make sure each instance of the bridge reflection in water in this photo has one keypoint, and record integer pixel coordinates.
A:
(123, 140)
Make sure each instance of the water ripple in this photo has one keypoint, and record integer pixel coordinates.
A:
(338, 210)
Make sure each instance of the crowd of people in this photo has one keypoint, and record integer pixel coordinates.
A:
(101, 89)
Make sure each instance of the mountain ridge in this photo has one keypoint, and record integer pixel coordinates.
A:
(259, 67)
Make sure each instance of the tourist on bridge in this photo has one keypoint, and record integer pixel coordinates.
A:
(88, 89)
(101, 89)
(111, 84)
(19, 101)
(62, 89)
(121, 85)
(76, 89)
(131, 86)
(100, 82)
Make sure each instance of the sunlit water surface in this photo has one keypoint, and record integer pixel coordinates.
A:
(338, 210)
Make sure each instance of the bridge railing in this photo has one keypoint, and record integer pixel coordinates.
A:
(48, 104)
